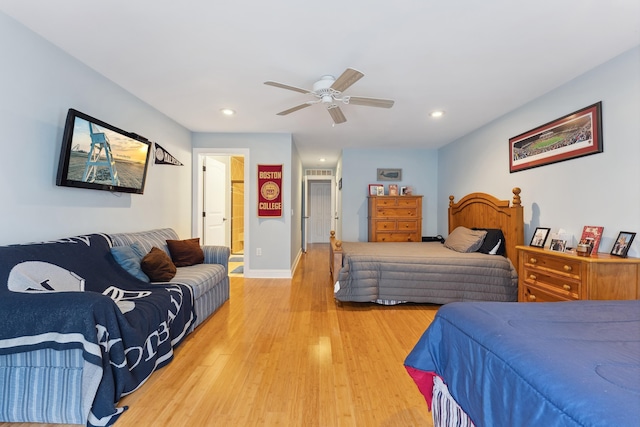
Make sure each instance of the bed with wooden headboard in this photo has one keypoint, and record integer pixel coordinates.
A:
(388, 272)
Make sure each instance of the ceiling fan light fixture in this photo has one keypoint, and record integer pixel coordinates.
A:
(329, 91)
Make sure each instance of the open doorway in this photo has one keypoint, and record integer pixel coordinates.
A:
(319, 209)
(220, 202)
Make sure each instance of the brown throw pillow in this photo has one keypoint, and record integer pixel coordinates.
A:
(186, 252)
(158, 266)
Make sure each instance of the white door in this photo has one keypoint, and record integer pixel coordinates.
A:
(320, 214)
(305, 213)
(215, 202)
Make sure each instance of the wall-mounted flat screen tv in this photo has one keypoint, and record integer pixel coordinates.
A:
(100, 156)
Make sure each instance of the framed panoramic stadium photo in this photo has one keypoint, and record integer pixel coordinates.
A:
(574, 135)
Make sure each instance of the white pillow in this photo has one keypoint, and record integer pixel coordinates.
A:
(494, 251)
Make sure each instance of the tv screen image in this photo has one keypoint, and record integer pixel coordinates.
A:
(99, 156)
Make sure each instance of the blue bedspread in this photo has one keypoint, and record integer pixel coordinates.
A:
(543, 364)
(72, 294)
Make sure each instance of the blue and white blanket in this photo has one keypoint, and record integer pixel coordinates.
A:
(71, 294)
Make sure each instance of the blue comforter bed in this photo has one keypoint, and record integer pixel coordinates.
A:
(543, 364)
(71, 294)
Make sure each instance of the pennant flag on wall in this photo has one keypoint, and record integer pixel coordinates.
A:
(163, 157)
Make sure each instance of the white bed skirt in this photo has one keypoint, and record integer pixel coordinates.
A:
(445, 410)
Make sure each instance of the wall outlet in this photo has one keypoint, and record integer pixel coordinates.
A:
(259, 251)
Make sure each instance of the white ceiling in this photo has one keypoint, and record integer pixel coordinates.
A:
(476, 60)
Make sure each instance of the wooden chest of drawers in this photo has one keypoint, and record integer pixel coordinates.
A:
(395, 218)
(545, 276)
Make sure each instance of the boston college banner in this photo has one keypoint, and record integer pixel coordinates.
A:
(270, 191)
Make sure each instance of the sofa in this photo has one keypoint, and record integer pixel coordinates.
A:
(209, 280)
(80, 327)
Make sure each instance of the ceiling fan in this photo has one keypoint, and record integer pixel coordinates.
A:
(328, 91)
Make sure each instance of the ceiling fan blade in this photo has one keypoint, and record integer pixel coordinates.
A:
(293, 109)
(336, 114)
(346, 79)
(371, 102)
(283, 86)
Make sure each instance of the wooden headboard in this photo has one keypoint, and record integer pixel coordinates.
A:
(473, 210)
(485, 211)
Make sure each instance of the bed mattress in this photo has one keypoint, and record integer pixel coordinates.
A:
(544, 364)
(422, 272)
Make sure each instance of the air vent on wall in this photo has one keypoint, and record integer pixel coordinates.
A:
(319, 172)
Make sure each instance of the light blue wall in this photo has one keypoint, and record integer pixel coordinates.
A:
(274, 236)
(38, 84)
(296, 205)
(419, 170)
(601, 189)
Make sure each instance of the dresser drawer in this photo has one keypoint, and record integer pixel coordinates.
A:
(408, 202)
(550, 263)
(400, 202)
(398, 237)
(561, 285)
(381, 202)
(533, 294)
(397, 212)
(385, 225)
(408, 225)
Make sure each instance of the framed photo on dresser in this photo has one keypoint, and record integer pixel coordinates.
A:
(374, 189)
(540, 237)
(623, 243)
(591, 235)
(558, 245)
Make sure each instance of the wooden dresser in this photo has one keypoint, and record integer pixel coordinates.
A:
(545, 276)
(395, 218)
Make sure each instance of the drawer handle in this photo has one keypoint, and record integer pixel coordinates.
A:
(566, 287)
(532, 297)
(533, 260)
(533, 277)
(567, 268)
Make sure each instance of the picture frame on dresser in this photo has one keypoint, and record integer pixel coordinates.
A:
(622, 244)
(374, 189)
(558, 245)
(540, 237)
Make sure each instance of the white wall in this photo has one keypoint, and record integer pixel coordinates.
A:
(601, 189)
(359, 167)
(272, 235)
(38, 84)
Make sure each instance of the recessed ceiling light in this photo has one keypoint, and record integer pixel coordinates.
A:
(227, 111)
(436, 114)
(322, 159)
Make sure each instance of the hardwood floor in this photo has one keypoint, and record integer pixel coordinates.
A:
(283, 352)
